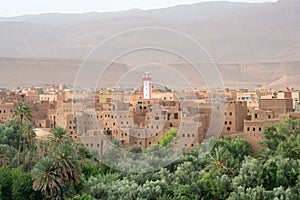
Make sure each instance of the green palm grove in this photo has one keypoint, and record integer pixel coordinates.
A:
(59, 168)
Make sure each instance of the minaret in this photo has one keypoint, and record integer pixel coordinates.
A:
(147, 86)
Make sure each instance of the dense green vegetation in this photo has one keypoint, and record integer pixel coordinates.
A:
(60, 168)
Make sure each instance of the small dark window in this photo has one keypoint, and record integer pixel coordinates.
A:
(228, 128)
(175, 115)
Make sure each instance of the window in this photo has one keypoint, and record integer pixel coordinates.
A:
(228, 128)
(225, 122)
(156, 118)
(230, 113)
(253, 129)
(259, 128)
(255, 116)
(230, 122)
(175, 115)
(183, 135)
(248, 129)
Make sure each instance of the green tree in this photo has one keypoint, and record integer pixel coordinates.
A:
(9, 134)
(54, 175)
(22, 186)
(168, 137)
(59, 136)
(274, 135)
(46, 179)
(21, 114)
(220, 161)
(66, 163)
(31, 138)
(5, 183)
(7, 154)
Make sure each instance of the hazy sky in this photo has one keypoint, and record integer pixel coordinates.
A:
(20, 7)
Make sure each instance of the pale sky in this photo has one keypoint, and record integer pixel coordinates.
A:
(21, 7)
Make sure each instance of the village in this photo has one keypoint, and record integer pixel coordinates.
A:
(139, 118)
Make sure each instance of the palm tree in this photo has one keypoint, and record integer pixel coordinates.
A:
(46, 179)
(67, 164)
(42, 149)
(60, 136)
(6, 154)
(21, 114)
(30, 136)
(219, 161)
(53, 175)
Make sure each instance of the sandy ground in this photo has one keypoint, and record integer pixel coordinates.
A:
(42, 133)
